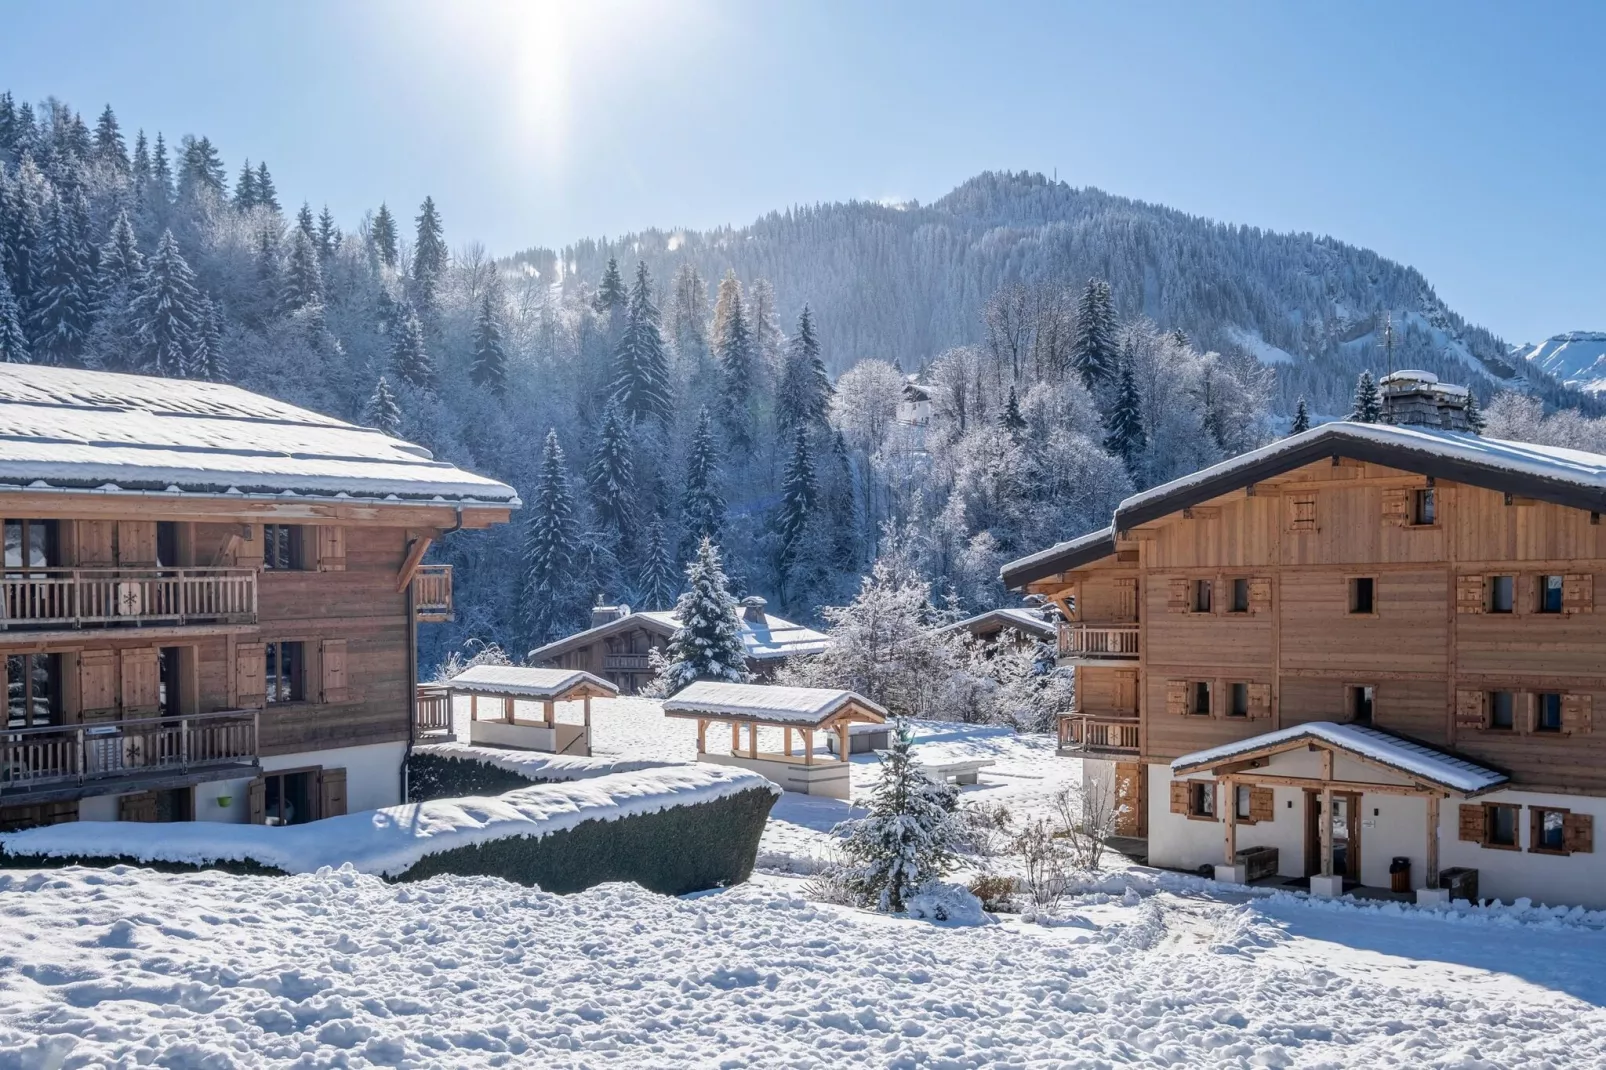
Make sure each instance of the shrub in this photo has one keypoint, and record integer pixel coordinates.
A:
(997, 893)
(430, 776)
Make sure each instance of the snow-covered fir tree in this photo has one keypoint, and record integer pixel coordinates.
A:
(164, 312)
(1368, 405)
(1475, 421)
(803, 394)
(1126, 438)
(1010, 419)
(611, 481)
(551, 547)
(384, 236)
(303, 275)
(409, 356)
(267, 194)
(641, 385)
(328, 233)
(707, 641)
(910, 836)
(799, 497)
(58, 324)
(13, 342)
(733, 345)
(110, 148)
(688, 317)
(489, 369)
(658, 580)
(1093, 345)
(245, 188)
(1301, 420)
(383, 411)
(306, 224)
(611, 300)
(702, 507)
(429, 255)
(208, 362)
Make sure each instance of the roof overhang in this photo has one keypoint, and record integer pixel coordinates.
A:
(1084, 550)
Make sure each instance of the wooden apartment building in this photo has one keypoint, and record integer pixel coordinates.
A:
(1397, 626)
(209, 601)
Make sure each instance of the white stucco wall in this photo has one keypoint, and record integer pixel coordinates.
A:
(1571, 880)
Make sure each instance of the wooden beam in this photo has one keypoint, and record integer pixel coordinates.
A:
(842, 737)
(808, 747)
(702, 735)
(1326, 830)
(1433, 842)
(736, 737)
(1315, 784)
(549, 712)
(415, 557)
(752, 740)
(1230, 789)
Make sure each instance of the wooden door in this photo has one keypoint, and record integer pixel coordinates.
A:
(1346, 834)
(1126, 691)
(141, 681)
(331, 792)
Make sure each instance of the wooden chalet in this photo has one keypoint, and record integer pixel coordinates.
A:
(1367, 654)
(209, 603)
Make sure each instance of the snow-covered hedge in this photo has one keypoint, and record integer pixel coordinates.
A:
(671, 830)
(453, 770)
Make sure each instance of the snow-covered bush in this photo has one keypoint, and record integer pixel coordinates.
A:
(953, 904)
(482, 653)
(986, 826)
(1045, 857)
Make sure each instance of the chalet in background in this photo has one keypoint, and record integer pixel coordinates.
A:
(1367, 654)
(210, 600)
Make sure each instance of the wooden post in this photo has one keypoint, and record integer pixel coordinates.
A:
(736, 737)
(752, 739)
(1433, 842)
(473, 707)
(1231, 825)
(549, 713)
(786, 734)
(1326, 829)
(509, 712)
(808, 746)
(842, 739)
(702, 735)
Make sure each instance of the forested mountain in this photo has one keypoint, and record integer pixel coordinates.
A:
(741, 384)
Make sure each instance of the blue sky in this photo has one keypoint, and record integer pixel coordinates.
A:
(1464, 139)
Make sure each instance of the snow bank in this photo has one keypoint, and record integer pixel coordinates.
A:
(391, 841)
(539, 765)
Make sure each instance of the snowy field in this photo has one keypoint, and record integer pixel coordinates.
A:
(132, 968)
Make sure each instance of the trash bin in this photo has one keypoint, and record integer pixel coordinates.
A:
(1400, 874)
(1461, 881)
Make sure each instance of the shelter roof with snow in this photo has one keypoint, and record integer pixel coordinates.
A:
(1019, 619)
(64, 429)
(792, 707)
(765, 637)
(519, 681)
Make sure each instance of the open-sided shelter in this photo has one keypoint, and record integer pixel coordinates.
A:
(513, 684)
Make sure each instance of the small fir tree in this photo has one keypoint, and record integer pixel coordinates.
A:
(408, 356)
(1301, 418)
(1010, 419)
(267, 192)
(383, 411)
(1475, 421)
(328, 234)
(611, 299)
(803, 395)
(110, 149)
(657, 583)
(799, 494)
(209, 363)
(640, 369)
(489, 367)
(59, 322)
(707, 642)
(13, 343)
(611, 481)
(1125, 436)
(551, 543)
(245, 188)
(910, 836)
(1093, 345)
(702, 508)
(733, 345)
(305, 222)
(429, 254)
(384, 236)
(121, 263)
(165, 312)
(303, 276)
(1368, 406)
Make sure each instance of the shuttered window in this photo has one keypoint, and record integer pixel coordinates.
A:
(1469, 597)
(1259, 701)
(331, 548)
(1396, 506)
(250, 683)
(333, 657)
(284, 672)
(1302, 513)
(1549, 596)
(1578, 593)
(1259, 594)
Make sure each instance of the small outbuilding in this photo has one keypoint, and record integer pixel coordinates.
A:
(505, 687)
(797, 713)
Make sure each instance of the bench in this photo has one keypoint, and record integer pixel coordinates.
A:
(961, 772)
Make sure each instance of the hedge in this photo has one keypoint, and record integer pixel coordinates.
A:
(430, 776)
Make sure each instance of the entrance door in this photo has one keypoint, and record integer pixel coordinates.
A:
(1346, 834)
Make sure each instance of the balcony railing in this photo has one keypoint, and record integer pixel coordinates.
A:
(626, 663)
(35, 761)
(33, 599)
(434, 711)
(432, 592)
(1118, 641)
(1111, 734)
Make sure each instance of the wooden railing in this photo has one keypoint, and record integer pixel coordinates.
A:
(75, 597)
(35, 758)
(626, 662)
(1098, 640)
(1106, 734)
(432, 592)
(434, 710)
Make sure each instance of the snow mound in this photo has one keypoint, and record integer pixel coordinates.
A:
(951, 904)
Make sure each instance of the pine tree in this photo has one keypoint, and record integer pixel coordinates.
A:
(328, 234)
(1368, 406)
(910, 836)
(429, 255)
(799, 495)
(551, 542)
(408, 356)
(1126, 437)
(110, 149)
(611, 480)
(489, 368)
(267, 193)
(164, 312)
(707, 642)
(303, 276)
(209, 363)
(384, 237)
(121, 263)
(733, 345)
(13, 343)
(161, 187)
(611, 300)
(688, 316)
(1301, 418)
(1093, 346)
(141, 164)
(657, 584)
(1475, 421)
(702, 508)
(245, 188)
(383, 411)
(640, 368)
(1010, 418)
(803, 396)
(62, 300)
(201, 169)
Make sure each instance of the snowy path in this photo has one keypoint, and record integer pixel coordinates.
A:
(337, 969)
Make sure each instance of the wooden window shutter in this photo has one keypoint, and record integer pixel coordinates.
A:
(1578, 593)
(331, 548)
(97, 684)
(1396, 506)
(1177, 600)
(1471, 709)
(334, 670)
(136, 542)
(95, 548)
(1262, 804)
(1469, 594)
(1179, 796)
(1471, 823)
(1578, 832)
(1302, 512)
(1259, 700)
(1260, 594)
(141, 681)
(140, 807)
(250, 672)
(1176, 697)
(332, 792)
(1126, 593)
(1577, 712)
(256, 801)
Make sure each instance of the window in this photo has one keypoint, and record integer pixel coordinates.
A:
(1302, 513)
(1423, 507)
(166, 544)
(1547, 712)
(33, 690)
(1502, 711)
(1550, 594)
(1202, 799)
(281, 546)
(1548, 831)
(1360, 703)
(1240, 803)
(288, 798)
(167, 697)
(1201, 698)
(1502, 594)
(1362, 594)
(31, 544)
(284, 675)
(1201, 595)
(1240, 595)
(1500, 825)
(1239, 702)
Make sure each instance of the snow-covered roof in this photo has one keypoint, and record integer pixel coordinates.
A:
(1017, 617)
(1549, 473)
(518, 681)
(68, 429)
(1405, 755)
(810, 706)
(775, 638)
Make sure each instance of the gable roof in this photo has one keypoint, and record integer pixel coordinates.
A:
(775, 638)
(1548, 473)
(809, 706)
(1017, 618)
(521, 681)
(73, 430)
(1406, 756)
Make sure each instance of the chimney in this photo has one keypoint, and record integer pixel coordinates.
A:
(601, 615)
(1417, 399)
(753, 611)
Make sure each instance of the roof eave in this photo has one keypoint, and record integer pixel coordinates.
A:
(1028, 570)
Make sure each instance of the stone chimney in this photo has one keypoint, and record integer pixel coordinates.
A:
(1417, 399)
(753, 611)
(601, 614)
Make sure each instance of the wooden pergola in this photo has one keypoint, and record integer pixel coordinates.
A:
(801, 710)
(510, 683)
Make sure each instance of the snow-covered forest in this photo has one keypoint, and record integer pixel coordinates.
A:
(743, 385)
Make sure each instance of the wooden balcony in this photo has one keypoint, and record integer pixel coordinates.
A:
(626, 663)
(72, 761)
(1099, 735)
(432, 593)
(1099, 642)
(47, 599)
(434, 713)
